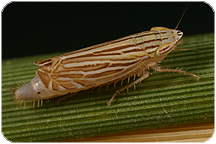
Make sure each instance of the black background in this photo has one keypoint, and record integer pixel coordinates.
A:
(39, 28)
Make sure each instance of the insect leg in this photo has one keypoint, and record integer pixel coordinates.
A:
(66, 97)
(127, 86)
(158, 68)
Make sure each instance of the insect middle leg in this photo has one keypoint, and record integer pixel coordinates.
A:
(127, 86)
(158, 68)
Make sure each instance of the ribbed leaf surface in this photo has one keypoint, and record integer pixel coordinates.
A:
(162, 100)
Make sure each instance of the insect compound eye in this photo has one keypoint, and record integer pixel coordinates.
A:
(179, 33)
(165, 49)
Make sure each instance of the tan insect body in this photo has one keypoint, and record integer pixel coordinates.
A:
(102, 64)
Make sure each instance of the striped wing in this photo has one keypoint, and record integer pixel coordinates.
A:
(100, 64)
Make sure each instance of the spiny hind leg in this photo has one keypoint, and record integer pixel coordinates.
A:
(158, 68)
(127, 86)
(66, 97)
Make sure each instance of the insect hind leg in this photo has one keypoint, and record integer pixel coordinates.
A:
(127, 86)
(66, 97)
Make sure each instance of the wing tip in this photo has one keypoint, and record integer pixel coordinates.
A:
(43, 62)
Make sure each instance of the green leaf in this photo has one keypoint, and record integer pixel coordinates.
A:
(162, 100)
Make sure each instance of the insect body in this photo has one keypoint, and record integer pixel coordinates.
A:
(102, 64)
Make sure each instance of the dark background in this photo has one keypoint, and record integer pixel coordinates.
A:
(39, 28)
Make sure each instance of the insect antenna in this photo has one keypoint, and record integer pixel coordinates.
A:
(182, 16)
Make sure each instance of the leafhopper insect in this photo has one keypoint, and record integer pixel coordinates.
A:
(102, 64)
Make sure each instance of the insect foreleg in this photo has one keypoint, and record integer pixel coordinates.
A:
(158, 68)
(127, 86)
